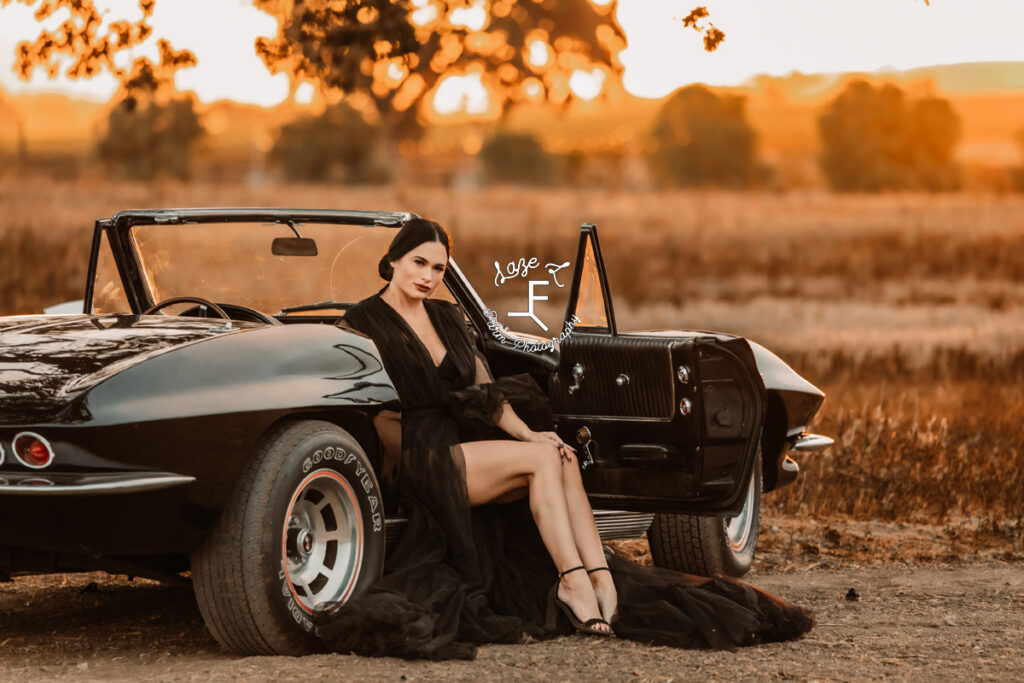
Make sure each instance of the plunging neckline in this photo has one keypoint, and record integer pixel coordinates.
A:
(430, 317)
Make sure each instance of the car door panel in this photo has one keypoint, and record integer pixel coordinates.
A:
(659, 422)
(624, 377)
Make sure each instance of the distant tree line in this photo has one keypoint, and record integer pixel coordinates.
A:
(873, 138)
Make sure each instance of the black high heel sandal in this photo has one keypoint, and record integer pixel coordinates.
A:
(605, 569)
(581, 626)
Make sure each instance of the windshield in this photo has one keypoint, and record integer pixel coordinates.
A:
(233, 263)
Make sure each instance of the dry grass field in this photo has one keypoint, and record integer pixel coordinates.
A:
(908, 310)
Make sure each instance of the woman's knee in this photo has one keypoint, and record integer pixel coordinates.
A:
(545, 458)
(571, 474)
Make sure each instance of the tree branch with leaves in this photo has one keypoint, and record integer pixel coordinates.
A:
(83, 47)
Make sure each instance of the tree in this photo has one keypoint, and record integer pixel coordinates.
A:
(1017, 173)
(94, 47)
(875, 139)
(153, 138)
(13, 120)
(703, 138)
(319, 147)
(151, 129)
(517, 158)
(391, 54)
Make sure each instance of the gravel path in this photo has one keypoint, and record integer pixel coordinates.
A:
(935, 622)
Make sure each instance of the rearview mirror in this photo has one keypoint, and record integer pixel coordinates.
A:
(294, 246)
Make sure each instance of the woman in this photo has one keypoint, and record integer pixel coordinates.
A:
(458, 579)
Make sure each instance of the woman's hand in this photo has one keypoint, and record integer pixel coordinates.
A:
(565, 451)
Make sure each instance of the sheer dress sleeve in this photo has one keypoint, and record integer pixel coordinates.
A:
(486, 398)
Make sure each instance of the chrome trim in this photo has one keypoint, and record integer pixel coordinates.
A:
(808, 443)
(577, 378)
(611, 418)
(153, 483)
(477, 301)
(738, 528)
(618, 524)
(2, 453)
(683, 374)
(66, 308)
(685, 406)
(611, 524)
(14, 450)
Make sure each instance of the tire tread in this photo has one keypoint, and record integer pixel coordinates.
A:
(695, 544)
(225, 556)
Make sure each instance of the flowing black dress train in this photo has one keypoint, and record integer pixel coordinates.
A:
(460, 577)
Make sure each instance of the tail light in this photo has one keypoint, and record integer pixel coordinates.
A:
(32, 450)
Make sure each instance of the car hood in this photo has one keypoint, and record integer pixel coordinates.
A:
(47, 363)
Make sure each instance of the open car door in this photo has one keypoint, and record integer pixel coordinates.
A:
(661, 421)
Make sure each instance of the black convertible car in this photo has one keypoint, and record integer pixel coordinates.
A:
(250, 440)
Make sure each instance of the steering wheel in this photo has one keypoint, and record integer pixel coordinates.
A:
(240, 312)
(182, 299)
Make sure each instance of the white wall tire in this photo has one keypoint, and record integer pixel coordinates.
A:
(305, 525)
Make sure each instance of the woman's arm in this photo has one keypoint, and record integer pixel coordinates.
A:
(509, 422)
(513, 425)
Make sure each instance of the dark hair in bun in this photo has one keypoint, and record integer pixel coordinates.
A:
(413, 234)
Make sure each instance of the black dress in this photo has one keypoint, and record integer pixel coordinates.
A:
(459, 577)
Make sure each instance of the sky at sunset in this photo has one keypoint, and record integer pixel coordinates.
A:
(762, 36)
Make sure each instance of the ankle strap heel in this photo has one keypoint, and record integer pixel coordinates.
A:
(568, 571)
(587, 626)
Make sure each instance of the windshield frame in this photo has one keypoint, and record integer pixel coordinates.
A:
(118, 228)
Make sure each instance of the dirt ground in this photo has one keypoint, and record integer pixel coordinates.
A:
(891, 601)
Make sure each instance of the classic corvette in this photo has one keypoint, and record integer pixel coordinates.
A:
(201, 412)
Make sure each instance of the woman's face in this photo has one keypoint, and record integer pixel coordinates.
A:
(420, 270)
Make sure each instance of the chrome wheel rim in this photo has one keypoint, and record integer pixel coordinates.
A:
(322, 540)
(737, 529)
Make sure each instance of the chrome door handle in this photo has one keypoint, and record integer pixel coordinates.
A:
(577, 378)
(583, 438)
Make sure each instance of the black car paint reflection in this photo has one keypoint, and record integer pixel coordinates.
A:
(127, 397)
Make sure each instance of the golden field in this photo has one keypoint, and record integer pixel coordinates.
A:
(908, 310)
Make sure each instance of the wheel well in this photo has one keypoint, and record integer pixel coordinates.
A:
(773, 440)
(356, 423)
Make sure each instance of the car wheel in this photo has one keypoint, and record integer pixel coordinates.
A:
(304, 526)
(710, 545)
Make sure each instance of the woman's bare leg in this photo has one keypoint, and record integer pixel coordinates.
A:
(588, 540)
(494, 468)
